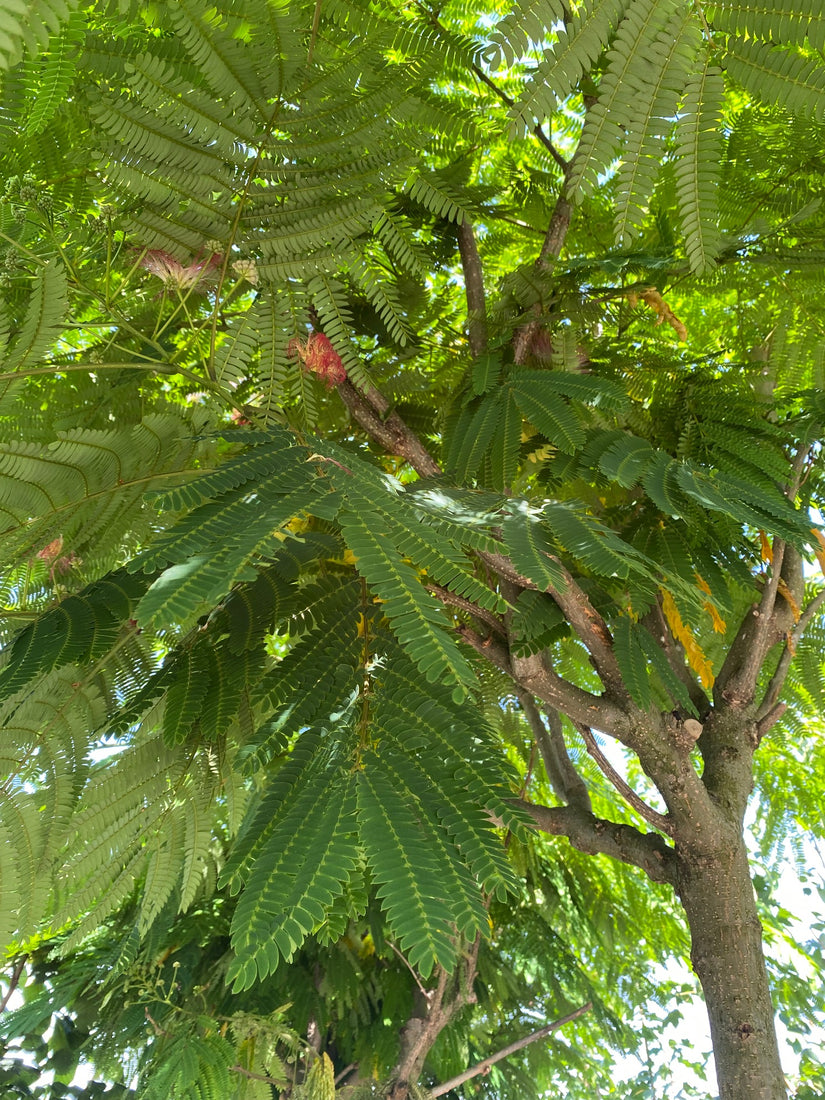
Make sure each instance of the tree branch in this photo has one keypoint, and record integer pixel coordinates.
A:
(484, 1065)
(593, 836)
(473, 289)
(345, 1072)
(451, 599)
(255, 1076)
(769, 720)
(743, 682)
(564, 779)
(435, 1012)
(551, 247)
(489, 648)
(559, 225)
(501, 565)
(798, 471)
(774, 688)
(651, 816)
(372, 411)
(563, 211)
(14, 981)
(581, 706)
(594, 633)
(532, 674)
(582, 616)
(762, 627)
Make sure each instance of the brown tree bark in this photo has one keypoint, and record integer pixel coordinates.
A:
(726, 951)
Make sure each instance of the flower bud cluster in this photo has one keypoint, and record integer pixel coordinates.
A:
(319, 356)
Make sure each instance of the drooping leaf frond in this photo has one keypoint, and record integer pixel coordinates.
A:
(28, 27)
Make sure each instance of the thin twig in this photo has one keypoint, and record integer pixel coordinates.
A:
(158, 1030)
(450, 599)
(501, 94)
(345, 1072)
(484, 1065)
(426, 993)
(14, 981)
(254, 1076)
(316, 19)
(651, 816)
(545, 140)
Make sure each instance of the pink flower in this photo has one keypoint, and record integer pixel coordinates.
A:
(319, 356)
(58, 562)
(199, 274)
(51, 551)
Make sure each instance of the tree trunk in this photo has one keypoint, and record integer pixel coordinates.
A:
(726, 951)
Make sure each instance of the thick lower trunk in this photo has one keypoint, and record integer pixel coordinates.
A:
(726, 938)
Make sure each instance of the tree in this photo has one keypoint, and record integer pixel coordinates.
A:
(395, 398)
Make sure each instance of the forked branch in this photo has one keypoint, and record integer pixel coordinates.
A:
(436, 1008)
(564, 779)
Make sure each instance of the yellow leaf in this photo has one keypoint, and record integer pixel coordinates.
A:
(719, 624)
(703, 584)
(786, 592)
(299, 524)
(820, 553)
(651, 297)
(683, 634)
(767, 549)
